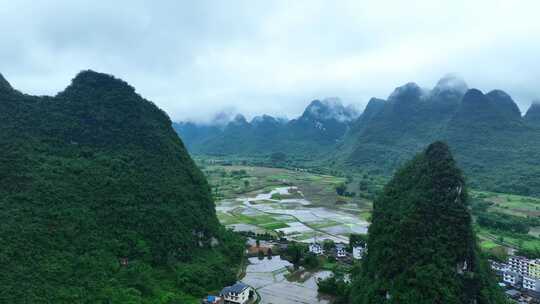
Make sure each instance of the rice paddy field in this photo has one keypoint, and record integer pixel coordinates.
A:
(301, 206)
(297, 205)
(516, 205)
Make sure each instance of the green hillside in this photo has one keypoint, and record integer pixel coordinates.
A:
(421, 246)
(498, 149)
(95, 178)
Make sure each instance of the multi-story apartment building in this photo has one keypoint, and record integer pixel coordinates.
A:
(519, 264)
(531, 283)
(512, 278)
(520, 271)
(498, 267)
(534, 269)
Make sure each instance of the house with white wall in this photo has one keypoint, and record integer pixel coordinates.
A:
(358, 252)
(341, 251)
(316, 248)
(238, 293)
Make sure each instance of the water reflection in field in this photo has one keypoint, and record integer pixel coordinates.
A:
(268, 276)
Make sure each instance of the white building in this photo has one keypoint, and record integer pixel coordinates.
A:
(512, 277)
(518, 264)
(316, 248)
(531, 283)
(239, 293)
(498, 267)
(341, 252)
(357, 252)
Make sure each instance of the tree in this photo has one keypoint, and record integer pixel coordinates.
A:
(278, 157)
(311, 261)
(328, 245)
(357, 239)
(295, 252)
(341, 188)
(363, 185)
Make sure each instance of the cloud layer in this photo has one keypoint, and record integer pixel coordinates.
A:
(194, 58)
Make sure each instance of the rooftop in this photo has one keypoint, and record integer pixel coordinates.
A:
(512, 292)
(236, 288)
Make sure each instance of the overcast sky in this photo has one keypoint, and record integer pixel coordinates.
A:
(194, 58)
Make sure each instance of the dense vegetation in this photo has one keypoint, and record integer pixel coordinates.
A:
(100, 202)
(497, 148)
(504, 222)
(421, 244)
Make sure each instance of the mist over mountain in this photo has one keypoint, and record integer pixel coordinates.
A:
(492, 142)
(329, 109)
(498, 148)
(321, 125)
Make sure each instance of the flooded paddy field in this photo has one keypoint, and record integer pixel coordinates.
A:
(295, 218)
(269, 278)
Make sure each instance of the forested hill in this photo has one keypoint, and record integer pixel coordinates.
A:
(498, 149)
(100, 202)
(422, 249)
(321, 125)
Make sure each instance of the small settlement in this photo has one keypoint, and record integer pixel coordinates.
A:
(241, 293)
(339, 251)
(520, 277)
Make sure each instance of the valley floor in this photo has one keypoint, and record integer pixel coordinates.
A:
(301, 205)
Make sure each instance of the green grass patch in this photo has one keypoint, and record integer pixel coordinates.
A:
(226, 219)
(323, 224)
(365, 215)
(275, 225)
(488, 244)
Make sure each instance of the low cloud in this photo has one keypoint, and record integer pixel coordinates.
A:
(196, 58)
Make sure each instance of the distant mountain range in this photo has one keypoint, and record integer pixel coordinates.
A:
(498, 148)
(323, 123)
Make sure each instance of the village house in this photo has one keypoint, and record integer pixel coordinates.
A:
(316, 248)
(358, 252)
(239, 293)
(341, 252)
